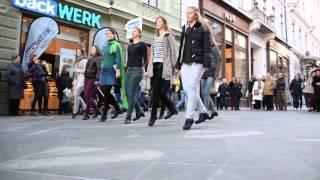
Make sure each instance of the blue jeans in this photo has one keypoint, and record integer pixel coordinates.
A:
(296, 100)
(206, 85)
(182, 101)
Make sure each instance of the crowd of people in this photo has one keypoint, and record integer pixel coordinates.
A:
(106, 81)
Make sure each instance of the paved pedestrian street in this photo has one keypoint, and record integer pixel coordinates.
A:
(241, 145)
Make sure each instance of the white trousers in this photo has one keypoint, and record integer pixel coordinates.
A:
(191, 75)
(78, 86)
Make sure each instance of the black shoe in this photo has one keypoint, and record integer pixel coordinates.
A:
(128, 120)
(33, 114)
(138, 116)
(202, 117)
(152, 121)
(161, 116)
(86, 117)
(188, 124)
(46, 113)
(213, 115)
(74, 115)
(103, 117)
(116, 114)
(171, 113)
(95, 115)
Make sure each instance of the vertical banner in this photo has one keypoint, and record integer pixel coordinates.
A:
(41, 32)
(133, 23)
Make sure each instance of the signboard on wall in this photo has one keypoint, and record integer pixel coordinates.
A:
(57, 9)
(133, 23)
(67, 58)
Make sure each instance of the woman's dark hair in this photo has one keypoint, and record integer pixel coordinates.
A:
(31, 57)
(82, 50)
(139, 30)
(98, 51)
(305, 77)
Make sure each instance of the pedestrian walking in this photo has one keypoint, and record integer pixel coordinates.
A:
(305, 92)
(249, 91)
(195, 56)
(309, 90)
(257, 93)
(238, 88)
(268, 92)
(64, 82)
(233, 93)
(136, 66)
(208, 79)
(281, 92)
(78, 81)
(223, 93)
(110, 73)
(216, 93)
(296, 91)
(316, 85)
(92, 76)
(44, 95)
(160, 68)
(15, 84)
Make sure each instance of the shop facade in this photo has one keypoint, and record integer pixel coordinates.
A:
(78, 22)
(231, 30)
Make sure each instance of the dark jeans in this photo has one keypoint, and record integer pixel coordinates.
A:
(14, 106)
(257, 104)
(269, 102)
(133, 78)
(37, 94)
(160, 88)
(109, 99)
(307, 99)
(238, 98)
(296, 101)
(44, 96)
(223, 102)
(88, 92)
(218, 102)
(64, 107)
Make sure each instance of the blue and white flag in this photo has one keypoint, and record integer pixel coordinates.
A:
(41, 32)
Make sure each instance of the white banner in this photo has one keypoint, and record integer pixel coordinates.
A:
(100, 38)
(41, 32)
(133, 23)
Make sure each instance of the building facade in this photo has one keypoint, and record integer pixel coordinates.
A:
(231, 30)
(15, 23)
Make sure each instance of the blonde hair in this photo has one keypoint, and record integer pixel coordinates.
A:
(200, 18)
(165, 25)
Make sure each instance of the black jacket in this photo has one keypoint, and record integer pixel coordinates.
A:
(250, 85)
(281, 84)
(296, 87)
(223, 90)
(63, 81)
(93, 68)
(316, 85)
(215, 64)
(201, 46)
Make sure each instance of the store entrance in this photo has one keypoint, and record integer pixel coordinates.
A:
(60, 52)
(229, 62)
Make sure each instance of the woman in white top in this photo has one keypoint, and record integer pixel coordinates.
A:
(257, 94)
(78, 82)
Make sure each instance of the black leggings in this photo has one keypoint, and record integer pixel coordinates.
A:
(109, 98)
(160, 88)
(37, 94)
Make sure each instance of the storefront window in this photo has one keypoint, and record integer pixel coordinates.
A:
(240, 40)
(273, 63)
(240, 65)
(228, 34)
(217, 30)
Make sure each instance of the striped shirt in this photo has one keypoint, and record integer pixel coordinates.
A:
(158, 49)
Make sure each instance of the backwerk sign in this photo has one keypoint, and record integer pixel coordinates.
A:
(54, 9)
